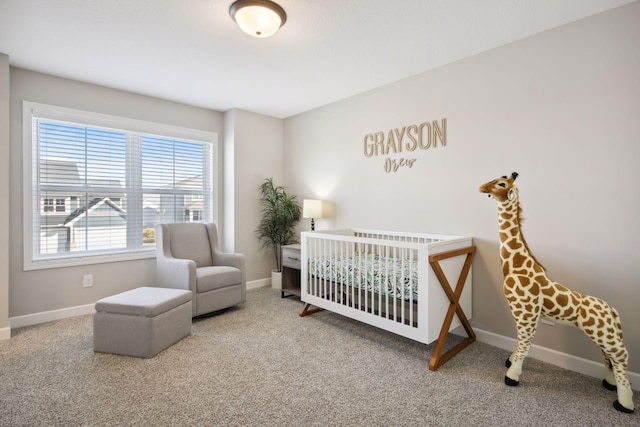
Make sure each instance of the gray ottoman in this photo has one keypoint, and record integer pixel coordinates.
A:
(141, 322)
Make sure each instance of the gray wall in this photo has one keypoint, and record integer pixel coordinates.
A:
(44, 290)
(253, 152)
(561, 108)
(4, 197)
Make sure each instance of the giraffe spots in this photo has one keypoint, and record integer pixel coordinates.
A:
(504, 253)
(514, 244)
(548, 291)
(518, 260)
(544, 282)
(535, 289)
(509, 282)
(505, 269)
(589, 322)
(562, 299)
(574, 300)
(553, 313)
(524, 281)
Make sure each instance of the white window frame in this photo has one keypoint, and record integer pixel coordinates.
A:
(31, 110)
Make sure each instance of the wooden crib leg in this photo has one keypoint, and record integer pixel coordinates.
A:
(306, 312)
(438, 358)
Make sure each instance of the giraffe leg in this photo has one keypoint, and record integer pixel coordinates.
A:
(515, 361)
(624, 403)
(609, 381)
(612, 347)
(526, 313)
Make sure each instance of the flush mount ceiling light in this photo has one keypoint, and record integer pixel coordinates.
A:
(258, 18)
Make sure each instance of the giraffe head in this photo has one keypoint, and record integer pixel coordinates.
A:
(501, 189)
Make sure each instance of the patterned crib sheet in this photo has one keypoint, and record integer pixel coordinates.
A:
(395, 277)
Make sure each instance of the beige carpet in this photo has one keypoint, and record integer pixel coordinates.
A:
(261, 365)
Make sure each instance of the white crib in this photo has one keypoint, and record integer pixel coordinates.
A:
(415, 285)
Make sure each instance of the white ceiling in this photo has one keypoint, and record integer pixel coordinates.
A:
(192, 52)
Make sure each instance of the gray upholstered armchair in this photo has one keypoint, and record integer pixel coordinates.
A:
(187, 257)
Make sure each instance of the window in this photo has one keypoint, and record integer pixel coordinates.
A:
(99, 184)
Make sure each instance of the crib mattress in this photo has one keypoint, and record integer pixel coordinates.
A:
(395, 277)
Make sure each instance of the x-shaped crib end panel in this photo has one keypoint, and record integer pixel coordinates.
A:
(438, 358)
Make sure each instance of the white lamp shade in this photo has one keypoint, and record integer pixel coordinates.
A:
(311, 208)
(257, 20)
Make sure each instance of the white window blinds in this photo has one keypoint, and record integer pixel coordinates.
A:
(98, 191)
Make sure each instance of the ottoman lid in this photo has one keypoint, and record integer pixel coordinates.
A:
(144, 301)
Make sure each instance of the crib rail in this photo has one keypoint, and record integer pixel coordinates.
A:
(377, 277)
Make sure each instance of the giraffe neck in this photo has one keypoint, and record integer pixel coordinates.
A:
(511, 237)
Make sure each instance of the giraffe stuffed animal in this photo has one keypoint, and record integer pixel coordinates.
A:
(531, 294)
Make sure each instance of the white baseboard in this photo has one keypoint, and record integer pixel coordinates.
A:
(5, 334)
(63, 313)
(48, 316)
(563, 360)
(261, 283)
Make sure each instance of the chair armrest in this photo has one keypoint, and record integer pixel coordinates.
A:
(230, 259)
(172, 272)
(176, 273)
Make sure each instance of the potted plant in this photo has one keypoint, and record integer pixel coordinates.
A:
(280, 214)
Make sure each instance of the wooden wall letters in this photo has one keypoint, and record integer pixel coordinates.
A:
(406, 139)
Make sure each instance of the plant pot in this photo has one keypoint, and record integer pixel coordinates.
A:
(276, 279)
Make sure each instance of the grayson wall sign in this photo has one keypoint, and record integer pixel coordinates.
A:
(406, 139)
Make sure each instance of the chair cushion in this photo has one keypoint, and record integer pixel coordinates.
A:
(190, 241)
(217, 277)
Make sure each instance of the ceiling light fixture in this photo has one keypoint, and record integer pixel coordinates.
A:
(258, 18)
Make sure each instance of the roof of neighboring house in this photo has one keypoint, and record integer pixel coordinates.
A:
(94, 204)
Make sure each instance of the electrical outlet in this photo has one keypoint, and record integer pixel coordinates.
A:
(87, 280)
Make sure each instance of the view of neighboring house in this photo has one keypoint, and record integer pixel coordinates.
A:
(79, 214)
